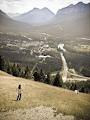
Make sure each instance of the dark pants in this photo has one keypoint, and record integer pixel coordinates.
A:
(19, 97)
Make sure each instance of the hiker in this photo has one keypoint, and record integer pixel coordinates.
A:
(19, 93)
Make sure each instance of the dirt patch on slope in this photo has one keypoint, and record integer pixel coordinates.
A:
(37, 113)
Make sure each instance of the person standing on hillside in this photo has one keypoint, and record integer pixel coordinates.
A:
(19, 93)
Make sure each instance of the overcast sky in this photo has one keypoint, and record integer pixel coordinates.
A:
(21, 6)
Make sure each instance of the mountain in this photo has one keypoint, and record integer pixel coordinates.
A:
(36, 16)
(2, 13)
(8, 24)
(73, 20)
(3, 17)
(74, 9)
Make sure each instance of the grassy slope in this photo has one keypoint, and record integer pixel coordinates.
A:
(35, 94)
(4, 74)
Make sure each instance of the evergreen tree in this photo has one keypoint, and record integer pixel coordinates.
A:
(15, 71)
(36, 76)
(58, 81)
(42, 76)
(82, 89)
(86, 71)
(72, 86)
(75, 87)
(27, 72)
(19, 70)
(2, 63)
(9, 69)
(47, 79)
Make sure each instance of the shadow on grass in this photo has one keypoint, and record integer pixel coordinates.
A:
(14, 100)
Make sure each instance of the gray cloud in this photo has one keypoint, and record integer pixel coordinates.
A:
(21, 6)
(12, 0)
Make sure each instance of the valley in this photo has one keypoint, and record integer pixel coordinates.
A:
(45, 60)
(27, 50)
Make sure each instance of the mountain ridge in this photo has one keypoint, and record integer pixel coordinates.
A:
(73, 23)
(36, 16)
(79, 7)
(9, 25)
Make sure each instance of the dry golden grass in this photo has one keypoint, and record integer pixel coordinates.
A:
(36, 94)
(4, 73)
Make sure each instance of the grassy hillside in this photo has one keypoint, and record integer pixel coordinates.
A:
(38, 94)
(4, 74)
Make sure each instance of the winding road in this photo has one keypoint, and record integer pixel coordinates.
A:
(65, 69)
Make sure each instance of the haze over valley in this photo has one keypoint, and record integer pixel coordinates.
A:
(40, 31)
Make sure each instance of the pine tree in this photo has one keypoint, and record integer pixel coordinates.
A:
(42, 76)
(15, 70)
(9, 69)
(36, 76)
(27, 72)
(47, 79)
(19, 70)
(58, 81)
(2, 63)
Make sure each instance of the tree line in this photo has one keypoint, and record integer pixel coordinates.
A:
(14, 68)
(39, 75)
(20, 71)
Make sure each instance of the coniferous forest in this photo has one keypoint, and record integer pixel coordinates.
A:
(38, 75)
